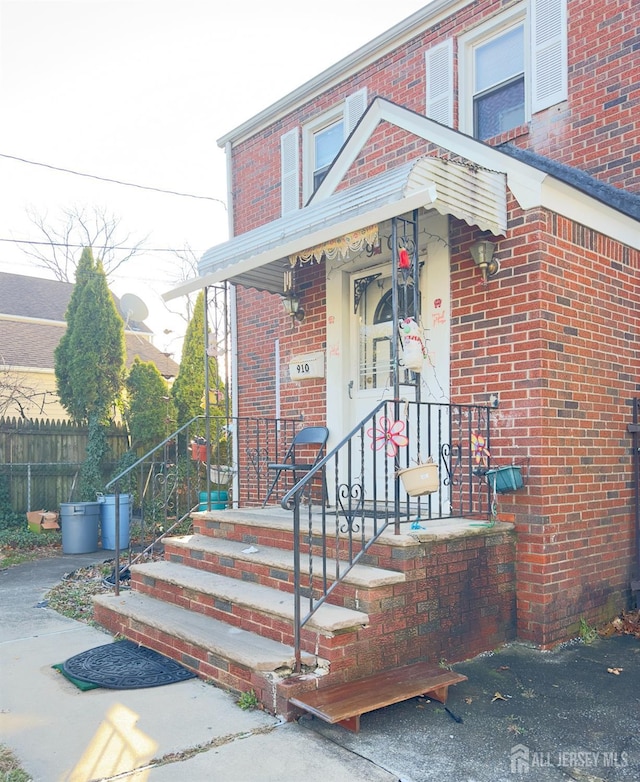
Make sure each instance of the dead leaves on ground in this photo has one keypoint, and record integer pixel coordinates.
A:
(627, 623)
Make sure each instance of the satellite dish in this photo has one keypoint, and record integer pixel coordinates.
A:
(133, 308)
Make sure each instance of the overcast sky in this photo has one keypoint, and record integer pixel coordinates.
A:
(140, 91)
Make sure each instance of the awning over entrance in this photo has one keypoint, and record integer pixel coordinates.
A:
(258, 258)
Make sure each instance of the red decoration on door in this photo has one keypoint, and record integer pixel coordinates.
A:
(404, 262)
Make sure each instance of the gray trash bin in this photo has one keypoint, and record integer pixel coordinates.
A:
(79, 522)
(108, 520)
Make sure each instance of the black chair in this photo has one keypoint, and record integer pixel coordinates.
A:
(310, 435)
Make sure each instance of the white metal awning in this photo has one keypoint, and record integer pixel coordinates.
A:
(258, 258)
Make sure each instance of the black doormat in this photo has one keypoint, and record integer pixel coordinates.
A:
(123, 665)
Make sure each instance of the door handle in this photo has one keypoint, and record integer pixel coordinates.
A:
(350, 388)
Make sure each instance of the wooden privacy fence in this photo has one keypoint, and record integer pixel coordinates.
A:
(40, 460)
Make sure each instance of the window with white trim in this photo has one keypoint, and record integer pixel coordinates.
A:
(326, 145)
(511, 66)
(323, 138)
(498, 84)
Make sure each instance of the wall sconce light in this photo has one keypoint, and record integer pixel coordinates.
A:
(482, 254)
(290, 300)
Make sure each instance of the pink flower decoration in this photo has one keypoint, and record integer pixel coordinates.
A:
(389, 435)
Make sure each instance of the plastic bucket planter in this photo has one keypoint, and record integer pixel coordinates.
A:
(79, 522)
(107, 504)
(199, 451)
(220, 474)
(218, 500)
(505, 479)
(420, 479)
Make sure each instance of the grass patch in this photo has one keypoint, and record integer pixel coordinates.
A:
(248, 700)
(10, 769)
(588, 633)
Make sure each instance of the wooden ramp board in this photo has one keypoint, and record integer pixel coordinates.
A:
(345, 703)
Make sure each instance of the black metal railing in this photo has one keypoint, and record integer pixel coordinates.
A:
(221, 462)
(366, 495)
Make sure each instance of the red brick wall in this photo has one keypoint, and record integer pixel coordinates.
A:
(458, 600)
(597, 129)
(262, 320)
(555, 335)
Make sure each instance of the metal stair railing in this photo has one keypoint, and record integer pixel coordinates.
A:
(179, 475)
(366, 496)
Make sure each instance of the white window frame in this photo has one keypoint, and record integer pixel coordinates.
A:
(349, 111)
(308, 146)
(467, 44)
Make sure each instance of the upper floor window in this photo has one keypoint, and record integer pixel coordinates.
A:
(511, 66)
(326, 145)
(499, 90)
(322, 140)
(323, 137)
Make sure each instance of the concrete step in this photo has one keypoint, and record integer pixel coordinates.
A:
(232, 658)
(238, 602)
(268, 565)
(216, 638)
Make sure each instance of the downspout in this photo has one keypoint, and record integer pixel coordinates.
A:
(207, 391)
(233, 323)
(634, 429)
(228, 147)
(233, 326)
(277, 363)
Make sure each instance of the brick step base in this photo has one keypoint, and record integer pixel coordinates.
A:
(232, 658)
(271, 566)
(250, 606)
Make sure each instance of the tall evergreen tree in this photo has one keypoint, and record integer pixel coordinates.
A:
(148, 405)
(188, 387)
(97, 350)
(62, 353)
(89, 364)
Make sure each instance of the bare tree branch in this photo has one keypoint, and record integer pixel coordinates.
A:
(79, 227)
(186, 270)
(16, 395)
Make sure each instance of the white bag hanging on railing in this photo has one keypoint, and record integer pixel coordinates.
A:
(414, 350)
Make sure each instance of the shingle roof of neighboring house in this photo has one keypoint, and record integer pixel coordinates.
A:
(26, 344)
(622, 200)
(29, 342)
(34, 297)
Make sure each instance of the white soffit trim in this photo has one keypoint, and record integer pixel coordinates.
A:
(258, 258)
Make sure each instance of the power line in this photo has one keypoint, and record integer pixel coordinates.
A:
(82, 246)
(113, 181)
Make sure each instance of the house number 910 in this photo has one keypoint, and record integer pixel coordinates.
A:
(304, 367)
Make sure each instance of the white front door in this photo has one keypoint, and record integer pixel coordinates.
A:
(372, 348)
(359, 334)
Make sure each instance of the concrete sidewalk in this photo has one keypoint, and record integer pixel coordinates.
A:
(560, 715)
(60, 733)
